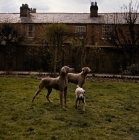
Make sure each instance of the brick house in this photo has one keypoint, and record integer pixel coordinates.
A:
(94, 24)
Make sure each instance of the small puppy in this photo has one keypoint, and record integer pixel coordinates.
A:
(80, 96)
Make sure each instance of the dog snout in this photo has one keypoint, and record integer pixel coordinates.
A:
(81, 96)
(89, 70)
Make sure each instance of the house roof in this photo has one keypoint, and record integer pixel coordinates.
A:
(50, 18)
(81, 18)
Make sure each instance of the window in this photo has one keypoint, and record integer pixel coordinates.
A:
(80, 29)
(106, 29)
(30, 29)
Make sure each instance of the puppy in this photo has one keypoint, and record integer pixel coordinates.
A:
(80, 96)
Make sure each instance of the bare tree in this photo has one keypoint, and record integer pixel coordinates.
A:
(11, 35)
(97, 55)
(79, 41)
(125, 32)
(55, 35)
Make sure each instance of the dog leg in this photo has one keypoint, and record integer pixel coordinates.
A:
(76, 102)
(84, 104)
(61, 98)
(48, 93)
(79, 101)
(65, 97)
(41, 86)
(38, 91)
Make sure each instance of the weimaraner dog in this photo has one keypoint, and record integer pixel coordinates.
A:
(80, 96)
(60, 83)
(79, 78)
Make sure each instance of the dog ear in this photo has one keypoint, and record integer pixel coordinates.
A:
(84, 93)
(83, 69)
(63, 70)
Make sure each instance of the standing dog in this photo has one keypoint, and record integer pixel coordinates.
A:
(60, 83)
(79, 78)
(80, 96)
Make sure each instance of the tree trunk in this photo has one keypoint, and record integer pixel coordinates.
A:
(55, 61)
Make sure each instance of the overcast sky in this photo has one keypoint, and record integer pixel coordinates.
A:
(66, 6)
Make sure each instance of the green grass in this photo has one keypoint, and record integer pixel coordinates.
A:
(112, 112)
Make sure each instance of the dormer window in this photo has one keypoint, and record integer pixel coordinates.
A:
(30, 30)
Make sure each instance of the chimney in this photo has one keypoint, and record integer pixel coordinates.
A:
(93, 9)
(32, 10)
(24, 10)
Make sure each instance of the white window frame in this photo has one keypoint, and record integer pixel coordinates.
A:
(106, 28)
(30, 30)
(80, 29)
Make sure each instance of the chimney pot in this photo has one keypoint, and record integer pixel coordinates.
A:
(24, 10)
(93, 9)
(92, 3)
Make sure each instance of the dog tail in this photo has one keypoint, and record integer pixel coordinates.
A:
(78, 86)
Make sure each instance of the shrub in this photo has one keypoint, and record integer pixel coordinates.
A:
(132, 70)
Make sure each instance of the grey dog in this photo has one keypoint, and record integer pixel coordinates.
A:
(59, 83)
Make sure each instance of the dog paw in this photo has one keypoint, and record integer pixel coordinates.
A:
(83, 109)
(50, 101)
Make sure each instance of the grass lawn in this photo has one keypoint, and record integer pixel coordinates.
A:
(112, 112)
